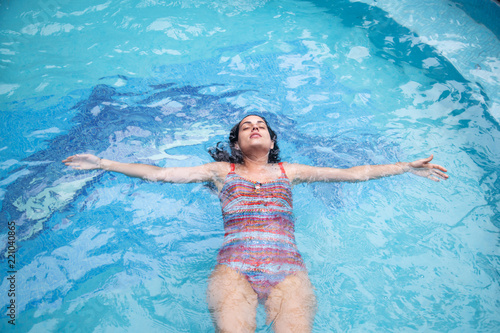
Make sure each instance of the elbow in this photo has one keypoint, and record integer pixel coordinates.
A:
(354, 175)
(156, 176)
(150, 178)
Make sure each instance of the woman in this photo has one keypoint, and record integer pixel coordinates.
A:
(258, 261)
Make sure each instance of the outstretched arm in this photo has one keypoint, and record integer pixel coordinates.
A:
(300, 173)
(213, 172)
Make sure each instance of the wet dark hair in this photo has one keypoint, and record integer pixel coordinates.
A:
(220, 154)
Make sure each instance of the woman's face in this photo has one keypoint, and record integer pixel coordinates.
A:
(253, 134)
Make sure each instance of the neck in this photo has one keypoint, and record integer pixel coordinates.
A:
(255, 162)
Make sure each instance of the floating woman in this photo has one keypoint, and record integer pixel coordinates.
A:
(258, 260)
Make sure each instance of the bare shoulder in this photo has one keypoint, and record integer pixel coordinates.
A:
(219, 169)
(288, 166)
(294, 166)
(220, 165)
(299, 173)
(293, 170)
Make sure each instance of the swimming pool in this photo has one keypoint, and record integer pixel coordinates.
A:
(160, 82)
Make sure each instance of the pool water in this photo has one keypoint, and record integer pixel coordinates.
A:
(342, 83)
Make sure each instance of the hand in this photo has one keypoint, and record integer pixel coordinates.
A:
(83, 162)
(425, 169)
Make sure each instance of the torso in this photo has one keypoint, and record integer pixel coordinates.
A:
(259, 228)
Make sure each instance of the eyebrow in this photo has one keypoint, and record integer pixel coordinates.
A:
(249, 122)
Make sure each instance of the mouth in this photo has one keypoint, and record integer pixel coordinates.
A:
(255, 135)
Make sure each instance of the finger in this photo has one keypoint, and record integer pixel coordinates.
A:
(75, 157)
(434, 173)
(440, 174)
(73, 165)
(441, 168)
(422, 163)
(428, 159)
(436, 167)
(433, 177)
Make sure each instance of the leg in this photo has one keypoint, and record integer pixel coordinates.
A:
(291, 305)
(232, 301)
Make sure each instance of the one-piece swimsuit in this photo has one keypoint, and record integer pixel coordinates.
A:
(259, 227)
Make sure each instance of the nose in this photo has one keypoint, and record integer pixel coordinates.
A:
(255, 127)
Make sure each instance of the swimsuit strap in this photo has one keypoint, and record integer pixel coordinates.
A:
(232, 167)
(282, 168)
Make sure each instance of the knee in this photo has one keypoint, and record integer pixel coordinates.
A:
(228, 323)
(234, 315)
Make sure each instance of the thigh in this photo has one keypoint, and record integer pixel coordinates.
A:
(291, 305)
(232, 301)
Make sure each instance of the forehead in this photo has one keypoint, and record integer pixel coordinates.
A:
(251, 120)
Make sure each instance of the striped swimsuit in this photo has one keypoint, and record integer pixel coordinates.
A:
(259, 239)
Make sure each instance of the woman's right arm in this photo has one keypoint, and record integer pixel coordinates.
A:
(210, 172)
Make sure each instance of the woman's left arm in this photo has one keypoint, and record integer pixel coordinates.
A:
(299, 173)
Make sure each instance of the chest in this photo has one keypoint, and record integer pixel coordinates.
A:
(239, 193)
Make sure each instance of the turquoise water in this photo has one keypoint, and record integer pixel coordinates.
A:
(159, 82)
